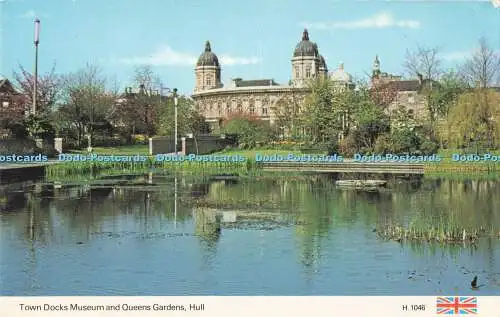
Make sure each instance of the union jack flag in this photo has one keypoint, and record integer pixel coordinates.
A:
(456, 305)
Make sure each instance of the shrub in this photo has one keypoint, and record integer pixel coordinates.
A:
(140, 139)
(429, 147)
(248, 131)
(383, 144)
(25, 146)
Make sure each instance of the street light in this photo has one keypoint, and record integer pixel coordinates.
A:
(175, 114)
(35, 85)
(176, 101)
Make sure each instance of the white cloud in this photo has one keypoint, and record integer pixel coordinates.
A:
(378, 21)
(32, 14)
(456, 56)
(169, 57)
(230, 60)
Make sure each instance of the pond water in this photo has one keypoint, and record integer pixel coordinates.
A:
(160, 234)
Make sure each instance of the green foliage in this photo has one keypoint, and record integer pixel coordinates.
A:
(250, 132)
(326, 110)
(474, 123)
(39, 127)
(188, 118)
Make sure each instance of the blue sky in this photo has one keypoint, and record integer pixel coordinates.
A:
(253, 39)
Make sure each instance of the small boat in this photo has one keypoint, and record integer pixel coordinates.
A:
(361, 183)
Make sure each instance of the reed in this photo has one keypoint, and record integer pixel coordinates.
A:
(445, 231)
(94, 167)
(452, 167)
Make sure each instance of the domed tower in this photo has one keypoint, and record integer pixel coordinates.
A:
(323, 68)
(305, 61)
(341, 78)
(376, 68)
(207, 70)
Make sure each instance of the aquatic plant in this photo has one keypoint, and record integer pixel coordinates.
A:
(444, 231)
(93, 167)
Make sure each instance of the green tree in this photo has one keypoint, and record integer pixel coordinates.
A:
(474, 122)
(369, 120)
(326, 111)
(188, 118)
(87, 102)
(249, 130)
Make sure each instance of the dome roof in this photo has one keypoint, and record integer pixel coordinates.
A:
(322, 62)
(208, 58)
(341, 75)
(306, 47)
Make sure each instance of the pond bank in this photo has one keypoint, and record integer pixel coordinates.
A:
(54, 167)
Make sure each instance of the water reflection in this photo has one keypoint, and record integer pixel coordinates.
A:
(267, 227)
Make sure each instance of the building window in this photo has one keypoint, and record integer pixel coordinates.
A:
(239, 106)
(264, 108)
(208, 81)
(228, 108)
(251, 107)
(308, 72)
(297, 73)
(219, 109)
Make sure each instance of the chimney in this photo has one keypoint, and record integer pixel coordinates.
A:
(142, 89)
(236, 82)
(420, 78)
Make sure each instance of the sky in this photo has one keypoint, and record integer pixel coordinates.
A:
(253, 39)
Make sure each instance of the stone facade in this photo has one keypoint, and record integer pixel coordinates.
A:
(258, 97)
(256, 101)
(407, 93)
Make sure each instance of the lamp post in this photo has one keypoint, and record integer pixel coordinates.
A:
(35, 75)
(176, 101)
(175, 120)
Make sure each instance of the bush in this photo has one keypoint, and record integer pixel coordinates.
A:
(429, 147)
(249, 132)
(106, 141)
(404, 142)
(25, 146)
(140, 139)
(383, 144)
(349, 145)
(18, 130)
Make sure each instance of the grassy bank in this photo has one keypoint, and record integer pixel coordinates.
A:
(447, 165)
(69, 168)
(94, 167)
(445, 168)
(118, 150)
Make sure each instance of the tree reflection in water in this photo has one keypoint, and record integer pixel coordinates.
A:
(151, 204)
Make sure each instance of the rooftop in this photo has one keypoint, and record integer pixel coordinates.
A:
(254, 83)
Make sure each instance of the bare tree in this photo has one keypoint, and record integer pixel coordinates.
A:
(87, 102)
(483, 67)
(424, 61)
(47, 92)
(145, 77)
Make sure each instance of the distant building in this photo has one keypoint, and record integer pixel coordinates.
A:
(407, 93)
(11, 107)
(259, 97)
